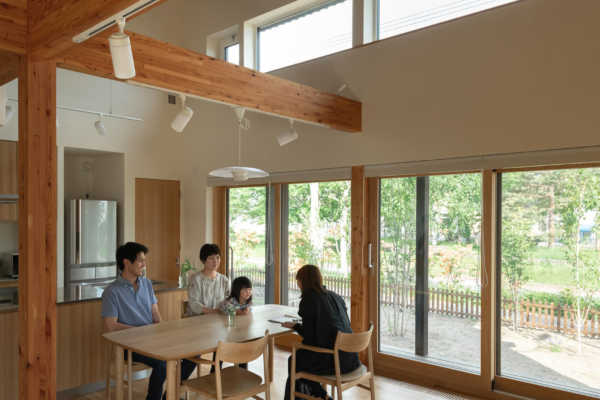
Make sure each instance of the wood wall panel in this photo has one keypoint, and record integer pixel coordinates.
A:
(13, 26)
(157, 225)
(9, 354)
(164, 65)
(360, 275)
(9, 67)
(8, 178)
(37, 229)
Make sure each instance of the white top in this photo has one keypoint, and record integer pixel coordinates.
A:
(205, 292)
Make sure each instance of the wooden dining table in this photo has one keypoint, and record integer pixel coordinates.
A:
(174, 340)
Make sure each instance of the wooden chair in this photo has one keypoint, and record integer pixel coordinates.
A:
(240, 383)
(349, 342)
(131, 367)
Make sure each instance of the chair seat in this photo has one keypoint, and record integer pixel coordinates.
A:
(135, 367)
(233, 379)
(350, 376)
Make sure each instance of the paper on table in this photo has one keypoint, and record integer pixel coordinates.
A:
(285, 318)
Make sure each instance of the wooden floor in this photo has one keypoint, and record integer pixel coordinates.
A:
(386, 389)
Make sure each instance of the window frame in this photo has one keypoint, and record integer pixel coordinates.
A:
(313, 7)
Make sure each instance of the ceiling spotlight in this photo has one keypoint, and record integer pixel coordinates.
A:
(120, 50)
(99, 125)
(288, 137)
(183, 117)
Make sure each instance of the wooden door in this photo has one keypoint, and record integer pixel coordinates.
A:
(157, 226)
(8, 178)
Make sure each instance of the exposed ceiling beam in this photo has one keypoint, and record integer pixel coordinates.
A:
(180, 70)
(13, 26)
(53, 23)
(9, 67)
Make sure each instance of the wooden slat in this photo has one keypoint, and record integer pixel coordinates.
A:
(54, 23)
(359, 303)
(13, 26)
(37, 229)
(164, 65)
(8, 178)
(9, 66)
(220, 224)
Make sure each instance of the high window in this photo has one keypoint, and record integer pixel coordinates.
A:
(232, 53)
(310, 34)
(396, 17)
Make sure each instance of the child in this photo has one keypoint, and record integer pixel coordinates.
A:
(240, 298)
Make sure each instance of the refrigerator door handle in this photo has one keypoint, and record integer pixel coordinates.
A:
(78, 243)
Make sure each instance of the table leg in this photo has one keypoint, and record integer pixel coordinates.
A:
(172, 380)
(271, 349)
(119, 372)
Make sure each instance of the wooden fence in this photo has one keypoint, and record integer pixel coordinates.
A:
(461, 304)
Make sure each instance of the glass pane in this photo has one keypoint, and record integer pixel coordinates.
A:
(247, 228)
(550, 287)
(454, 270)
(310, 35)
(232, 54)
(397, 246)
(319, 234)
(396, 17)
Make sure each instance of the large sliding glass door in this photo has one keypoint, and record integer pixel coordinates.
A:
(316, 231)
(548, 313)
(429, 269)
(247, 238)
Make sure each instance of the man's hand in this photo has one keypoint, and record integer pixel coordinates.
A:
(289, 325)
(206, 310)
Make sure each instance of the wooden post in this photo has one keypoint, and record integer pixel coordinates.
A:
(359, 292)
(37, 229)
(220, 225)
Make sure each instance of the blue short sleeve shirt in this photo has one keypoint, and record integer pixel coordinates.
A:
(131, 307)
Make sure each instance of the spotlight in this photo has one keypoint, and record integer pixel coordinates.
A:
(120, 51)
(183, 117)
(99, 125)
(288, 136)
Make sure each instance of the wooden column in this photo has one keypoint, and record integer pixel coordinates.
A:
(358, 238)
(37, 229)
(220, 224)
(277, 247)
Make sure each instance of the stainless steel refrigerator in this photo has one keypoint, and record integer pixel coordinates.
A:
(90, 246)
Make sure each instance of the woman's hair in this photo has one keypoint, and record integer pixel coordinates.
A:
(310, 278)
(208, 250)
(239, 283)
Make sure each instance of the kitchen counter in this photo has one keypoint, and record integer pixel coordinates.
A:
(8, 283)
(159, 287)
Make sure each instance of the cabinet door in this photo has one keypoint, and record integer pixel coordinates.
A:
(8, 178)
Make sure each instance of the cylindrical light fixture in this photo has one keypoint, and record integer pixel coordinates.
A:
(183, 117)
(120, 51)
(288, 136)
(99, 125)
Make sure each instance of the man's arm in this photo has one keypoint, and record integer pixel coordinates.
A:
(111, 324)
(156, 313)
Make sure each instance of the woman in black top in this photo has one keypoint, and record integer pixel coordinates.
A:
(323, 314)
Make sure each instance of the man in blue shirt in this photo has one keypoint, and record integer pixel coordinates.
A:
(130, 301)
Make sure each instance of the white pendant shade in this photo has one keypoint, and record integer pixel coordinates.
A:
(239, 174)
(120, 51)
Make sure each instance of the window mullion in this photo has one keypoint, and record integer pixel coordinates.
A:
(422, 275)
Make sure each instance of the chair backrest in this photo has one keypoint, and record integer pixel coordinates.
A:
(237, 353)
(353, 342)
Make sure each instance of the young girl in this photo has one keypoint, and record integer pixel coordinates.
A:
(240, 298)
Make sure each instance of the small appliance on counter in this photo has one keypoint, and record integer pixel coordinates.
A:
(90, 247)
(10, 265)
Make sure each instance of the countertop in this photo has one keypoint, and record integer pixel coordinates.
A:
(159, 286)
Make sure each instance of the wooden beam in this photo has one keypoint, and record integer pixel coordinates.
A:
(173, 68)
(9, 67)
(360, 270)
(53, 24)
(37, 229)
(13, 26)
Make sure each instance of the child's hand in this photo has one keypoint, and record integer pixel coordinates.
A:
(289, 325)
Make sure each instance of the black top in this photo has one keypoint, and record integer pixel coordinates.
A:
(323, 315)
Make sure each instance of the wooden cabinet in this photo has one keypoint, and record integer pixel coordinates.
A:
(8, 178)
